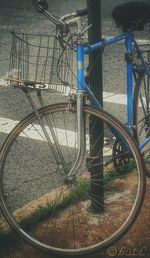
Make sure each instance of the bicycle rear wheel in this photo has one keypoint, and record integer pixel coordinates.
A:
(142, 110)
(52, 214)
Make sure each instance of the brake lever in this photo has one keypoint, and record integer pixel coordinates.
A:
(40, 5)
(43, 4)
(87, 28)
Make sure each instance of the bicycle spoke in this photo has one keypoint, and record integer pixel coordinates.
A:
(69, 215)
(141, 110)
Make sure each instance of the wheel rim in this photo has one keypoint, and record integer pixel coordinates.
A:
(142, 110)
(72, 220)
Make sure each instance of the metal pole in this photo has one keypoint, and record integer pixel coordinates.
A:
(95, 80)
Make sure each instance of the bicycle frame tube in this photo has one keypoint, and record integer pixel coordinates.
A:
(129, 47)
(82, 86)
(107, 41)
(80, 67)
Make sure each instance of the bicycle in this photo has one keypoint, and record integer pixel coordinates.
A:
(78, 183)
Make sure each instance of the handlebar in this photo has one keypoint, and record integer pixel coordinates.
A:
(82, 12)
(78, 13)
(62, 22)
(42, 7)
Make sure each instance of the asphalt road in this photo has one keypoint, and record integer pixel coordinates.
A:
(20, 16)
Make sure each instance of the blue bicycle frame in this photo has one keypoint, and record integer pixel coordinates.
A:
(130, 43)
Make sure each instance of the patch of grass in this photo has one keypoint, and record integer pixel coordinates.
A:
(75, 194)
(147, 158)
(119, 173)
(51, 209)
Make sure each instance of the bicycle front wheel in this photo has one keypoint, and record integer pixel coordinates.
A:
(86, 214)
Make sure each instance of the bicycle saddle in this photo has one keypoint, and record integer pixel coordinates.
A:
(132, 16)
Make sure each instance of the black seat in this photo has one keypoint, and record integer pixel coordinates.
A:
(132, 16)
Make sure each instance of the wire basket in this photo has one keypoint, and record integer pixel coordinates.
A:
(41, 59)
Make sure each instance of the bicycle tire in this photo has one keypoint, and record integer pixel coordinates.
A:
(141, 109)
(124, 204)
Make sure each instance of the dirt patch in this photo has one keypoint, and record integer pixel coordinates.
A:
(31, 207)
(138, 237)
(139, 234)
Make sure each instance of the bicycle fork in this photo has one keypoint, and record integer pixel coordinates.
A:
(81, 135)
(55, 148)
(81, 127)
